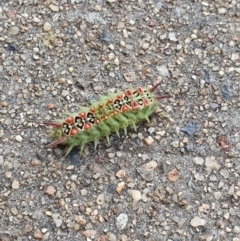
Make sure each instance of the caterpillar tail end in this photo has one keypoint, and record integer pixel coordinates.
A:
(53, 124)
(154, 87)
(158, 98)
(57, 142)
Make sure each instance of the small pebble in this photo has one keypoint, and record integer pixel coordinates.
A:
(50, 190)
(65, 93)
(13, 30)
(15, 184)
(54, 8)
(47, 27)
(61, 202)
(121, 174)
(163, 71)
(231, 189)
(121, 221)
(217, 195)
(222, 11)
(197, 222)
(172, 37)
(37, 234)
(136, 195)
(236, 229)
(120, 187)
(224, 173)
(149, 141)
(130, 77)
(198, 160)
(18, 138)
(57, 220)
(145, 46)
(80, 220)
(14, 211)
(89, 233)
(173, 175)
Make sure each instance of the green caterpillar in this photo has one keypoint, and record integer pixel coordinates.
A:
(110, 114)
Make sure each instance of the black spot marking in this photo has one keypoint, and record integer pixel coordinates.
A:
(117, 104)
(66, 128)
(140, 102)
(135, 94)
(79, 122)
(127, 100)
(90, 118)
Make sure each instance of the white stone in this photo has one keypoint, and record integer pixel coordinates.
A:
(47, 27)
(234, 57)
(136, 195)
(121, 221)
(122, 43)
(224, 173)
(197, 222)
(172, 37)
(18, 138)
(125, 33)
(198, 160)
(145, 46)
(236, 229)
(231, 189)
(97, 8)
(111, 56)
(222, 10)
(211, 164)
(237, 70)
(54, 8)
(65, 93)
(36, 20)
(15, 184)
(116, 61)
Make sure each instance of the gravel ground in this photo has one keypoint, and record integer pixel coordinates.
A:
(177, 177)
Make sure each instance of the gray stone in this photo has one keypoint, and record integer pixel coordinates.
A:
(217, 195)
(14, 30)
(163, 71)
(65, 93)
(224, 173)
(57, 220)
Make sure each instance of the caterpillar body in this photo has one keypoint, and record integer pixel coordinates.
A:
(110, 114)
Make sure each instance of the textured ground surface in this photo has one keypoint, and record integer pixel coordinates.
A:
(159, 183)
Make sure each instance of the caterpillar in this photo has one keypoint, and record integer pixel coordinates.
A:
(110, 114)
